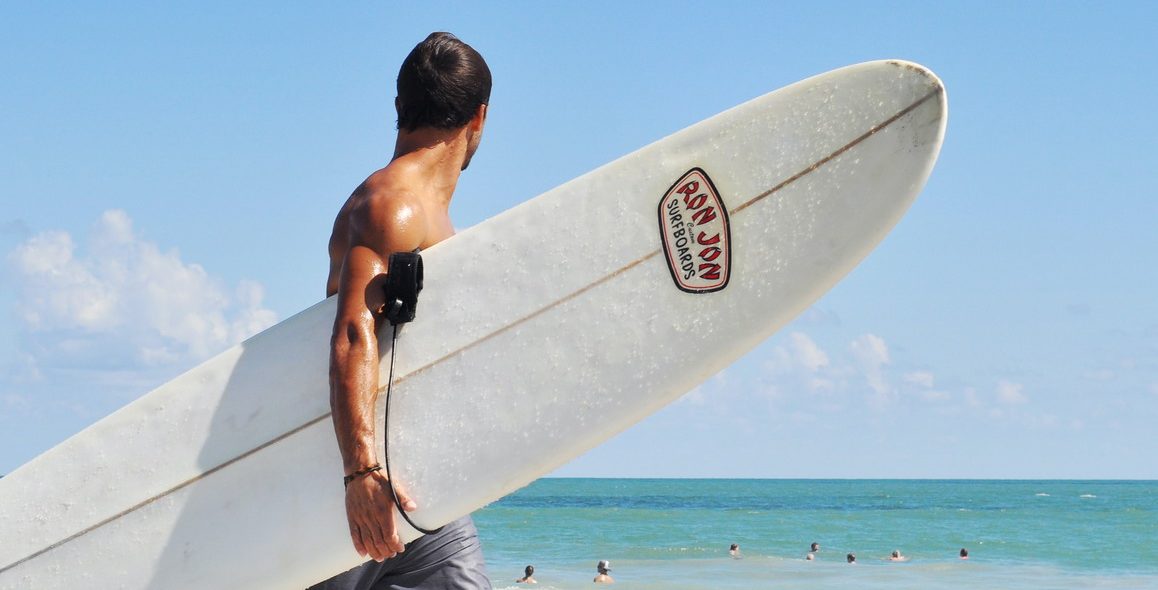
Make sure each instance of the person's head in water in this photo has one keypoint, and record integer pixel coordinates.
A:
(964, 553)
(851, 558)
(896, 554)
(603, 566)
(814, 547)
(528, 576)
(442, 84)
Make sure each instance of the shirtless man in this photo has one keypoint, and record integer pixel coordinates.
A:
(443, 90)
(604, 573)
(528, 577)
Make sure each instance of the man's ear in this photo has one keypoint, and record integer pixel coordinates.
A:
(480, 116)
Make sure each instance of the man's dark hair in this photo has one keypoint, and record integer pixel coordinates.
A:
(441, 84)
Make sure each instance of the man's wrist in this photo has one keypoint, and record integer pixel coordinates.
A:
(360, 473)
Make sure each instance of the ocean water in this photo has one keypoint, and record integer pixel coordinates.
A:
(675, 533)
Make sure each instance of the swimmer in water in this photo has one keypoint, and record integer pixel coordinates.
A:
(734, 551)
(529, 578)
(604, 569)
(851, 557)
(964, 553)
(896, 556)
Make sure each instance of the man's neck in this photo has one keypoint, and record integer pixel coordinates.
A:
(434, 155)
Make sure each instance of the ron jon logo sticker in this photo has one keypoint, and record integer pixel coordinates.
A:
(693, 225)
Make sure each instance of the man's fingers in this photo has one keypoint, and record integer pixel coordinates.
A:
(377, 548)
(392, 541)
(356, 536)
(379, 537)
(381, 528)
(370, 509)
(363, 526)
(389, 525)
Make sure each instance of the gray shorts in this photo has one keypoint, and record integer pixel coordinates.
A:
(450, 559)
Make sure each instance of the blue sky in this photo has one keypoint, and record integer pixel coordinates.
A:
(169, 175)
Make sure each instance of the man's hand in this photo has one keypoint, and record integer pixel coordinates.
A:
(370, 511)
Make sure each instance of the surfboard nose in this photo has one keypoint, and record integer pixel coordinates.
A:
(931, 79)
(918, 70)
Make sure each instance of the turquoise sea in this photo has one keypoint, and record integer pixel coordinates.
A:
(675, 533)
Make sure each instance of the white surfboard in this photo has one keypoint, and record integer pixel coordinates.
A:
(541, 333)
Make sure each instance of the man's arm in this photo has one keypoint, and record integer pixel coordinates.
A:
(354, 385)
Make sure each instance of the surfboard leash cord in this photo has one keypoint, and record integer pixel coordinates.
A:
(403, 284)
(386, 449)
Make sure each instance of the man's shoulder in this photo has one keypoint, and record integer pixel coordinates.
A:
(385, 200)
(380, 213)
(386, 189)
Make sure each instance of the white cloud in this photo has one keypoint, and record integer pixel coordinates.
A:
(922, 385)
(798, 365)
(936, 395)
(872, 355)
(871, 349)
(919, 378)
(121, 301)
(1010, 393)
(800, 355)
(806, 353)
